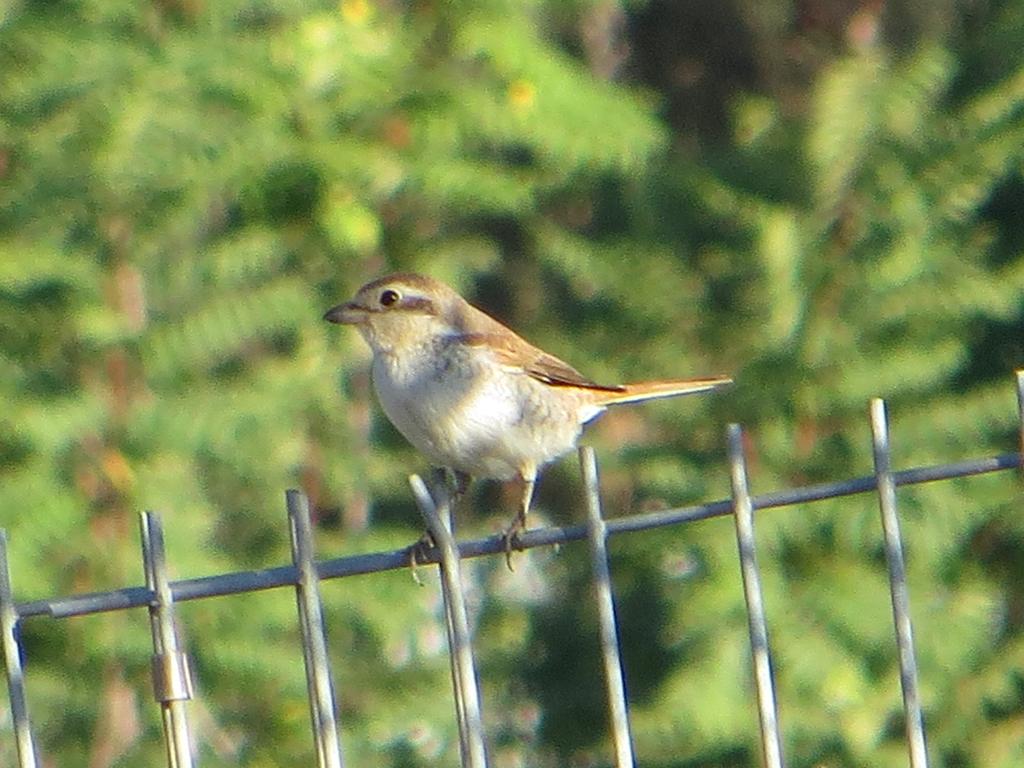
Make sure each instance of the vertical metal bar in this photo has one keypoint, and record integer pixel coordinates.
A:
(1020, 414)
(898, 585)
(172, 681)
(322, 707)
(597, 532)
(460, 645)
(444, 504)
(12, 663)
(743, 513)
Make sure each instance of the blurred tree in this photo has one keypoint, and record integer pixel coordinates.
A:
(186, 188)
(861, 245)
(819, 198)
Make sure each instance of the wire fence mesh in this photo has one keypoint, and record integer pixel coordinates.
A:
(172, 683)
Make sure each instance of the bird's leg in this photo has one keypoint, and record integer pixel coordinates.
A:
(447, 488)
(459, 486)
(519, 522)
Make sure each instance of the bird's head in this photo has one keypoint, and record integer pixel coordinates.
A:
(400, 311)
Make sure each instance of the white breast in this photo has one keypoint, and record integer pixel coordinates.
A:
(463, 411)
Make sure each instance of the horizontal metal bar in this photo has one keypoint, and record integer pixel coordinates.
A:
(354, 565)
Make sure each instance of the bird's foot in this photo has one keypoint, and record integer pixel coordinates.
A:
(511, 537)
(419, 552)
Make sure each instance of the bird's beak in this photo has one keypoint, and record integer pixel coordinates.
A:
(348, 313)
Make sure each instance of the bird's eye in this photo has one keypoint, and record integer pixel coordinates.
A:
(388, 297)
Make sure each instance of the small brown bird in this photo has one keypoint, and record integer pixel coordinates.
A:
(473, 396)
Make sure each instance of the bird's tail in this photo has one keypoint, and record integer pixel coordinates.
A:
(652, 390)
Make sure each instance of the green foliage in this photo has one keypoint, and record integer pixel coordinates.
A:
(184, 189)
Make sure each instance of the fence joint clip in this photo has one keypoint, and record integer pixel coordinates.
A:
(172, 677)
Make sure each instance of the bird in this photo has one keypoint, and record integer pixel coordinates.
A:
(473, 396)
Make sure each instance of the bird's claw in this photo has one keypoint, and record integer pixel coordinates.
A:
(419, 552)
(511, 537)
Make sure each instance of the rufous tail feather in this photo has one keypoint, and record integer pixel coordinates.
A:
(652, 390)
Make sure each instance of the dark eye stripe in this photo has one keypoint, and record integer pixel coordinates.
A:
(419, 304)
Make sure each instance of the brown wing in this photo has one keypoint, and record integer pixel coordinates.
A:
(515, 352)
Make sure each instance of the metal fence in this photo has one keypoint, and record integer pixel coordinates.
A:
(172, 683)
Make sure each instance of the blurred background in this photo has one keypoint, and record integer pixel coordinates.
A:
(821, 197)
